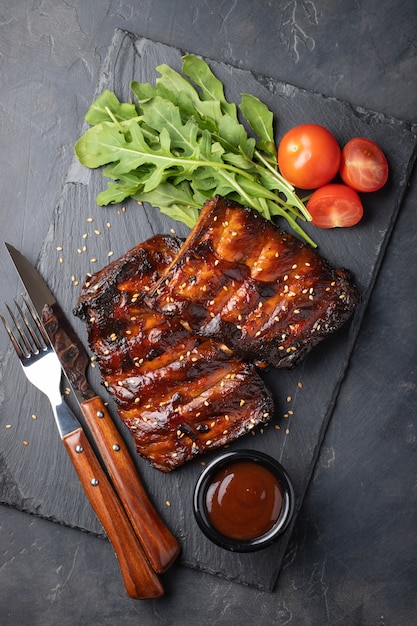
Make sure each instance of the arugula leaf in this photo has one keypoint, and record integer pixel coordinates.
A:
(108, 102)
(260, 119)
(211, 88)
(176, 201)
(183, 142)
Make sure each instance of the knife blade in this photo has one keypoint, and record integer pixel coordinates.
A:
(159, 544)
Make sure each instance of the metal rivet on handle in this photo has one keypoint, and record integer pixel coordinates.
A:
(94, 482)
(116, 447)
(100, 414)
(79, 449)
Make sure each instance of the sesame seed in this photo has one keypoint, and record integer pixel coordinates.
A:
(168, 503)
(59, 248)
(34, 417)
(25, 443)
(89, 219)
(8, 425)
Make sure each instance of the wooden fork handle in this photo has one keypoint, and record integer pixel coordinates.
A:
(160, 546)
(140, 579)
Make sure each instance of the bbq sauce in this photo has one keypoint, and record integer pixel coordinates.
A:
(244, 500)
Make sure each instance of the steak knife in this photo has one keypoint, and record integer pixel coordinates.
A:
(159, 544)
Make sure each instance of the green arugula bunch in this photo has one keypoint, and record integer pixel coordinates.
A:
(182, 143)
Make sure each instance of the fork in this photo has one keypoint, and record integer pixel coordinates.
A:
(43, 369)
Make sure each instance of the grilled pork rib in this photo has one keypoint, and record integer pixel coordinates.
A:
(262, 292)
(179, 394)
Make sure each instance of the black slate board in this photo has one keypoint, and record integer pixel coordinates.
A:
(38, 477)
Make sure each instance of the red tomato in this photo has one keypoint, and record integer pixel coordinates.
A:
(308, 156)
(363, 165)
(335, 205)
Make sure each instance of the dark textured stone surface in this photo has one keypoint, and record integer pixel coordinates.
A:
(351, 559)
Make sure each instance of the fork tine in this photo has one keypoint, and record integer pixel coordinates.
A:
(12, 337)
(40, 345)
(25, 340)
(37, 320)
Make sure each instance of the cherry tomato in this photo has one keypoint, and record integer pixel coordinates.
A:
(309, 156)
(335, 205)
(363, 165)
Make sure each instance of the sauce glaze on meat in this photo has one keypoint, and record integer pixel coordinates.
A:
(240, 280)
(179, 394)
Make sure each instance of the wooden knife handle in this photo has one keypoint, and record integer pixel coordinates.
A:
(139, 577)
(160, 546)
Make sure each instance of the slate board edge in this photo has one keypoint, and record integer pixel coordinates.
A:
(355, 325)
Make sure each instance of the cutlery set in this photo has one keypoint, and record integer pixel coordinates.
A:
(47, 347)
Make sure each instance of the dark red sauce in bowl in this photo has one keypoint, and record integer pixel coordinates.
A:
(243, 500)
